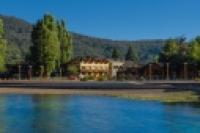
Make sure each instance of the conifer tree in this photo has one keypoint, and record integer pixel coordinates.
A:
(131, 55)
(115, 54)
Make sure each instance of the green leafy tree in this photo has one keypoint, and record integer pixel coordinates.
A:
(195, 50)
(131, 55)
(66, 47)
(13, 54)
(170, 50)
(175, 52)
(115, 54)
(2, 47)
(198, 39)
(46, 49)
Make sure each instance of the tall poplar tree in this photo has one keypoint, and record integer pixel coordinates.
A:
(66, 47)
(2, 47)
(46, 47)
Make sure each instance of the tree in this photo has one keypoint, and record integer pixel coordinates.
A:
(195, 50)
(131, 55)
(170, 50)
(13, 54)
(65, 40)
(115, 54)
(46, 47)
(2, 47)
(175, 52)
(197, 39)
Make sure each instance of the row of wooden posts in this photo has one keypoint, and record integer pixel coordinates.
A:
(30, 68)
(185, 69)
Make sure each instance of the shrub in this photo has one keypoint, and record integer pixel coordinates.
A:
(103, 78)
(87, 78)
(121, 76)
(72, 70)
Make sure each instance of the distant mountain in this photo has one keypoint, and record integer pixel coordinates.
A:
(147, 49)
(18, 34)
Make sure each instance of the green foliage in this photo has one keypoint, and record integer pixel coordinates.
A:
(90, 46)
(175, 51)
(195, 49)
(170, 50)
(103, 78)
(66, 47)
(131, 55)
(87, 78)
(115, 54)
(46, 48)
(2, 47)
(72, 70)
(52, 44)
(14, 55)
(1, 28)
(18, 33)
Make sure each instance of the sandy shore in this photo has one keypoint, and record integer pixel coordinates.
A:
(163, 95)
(166, 92)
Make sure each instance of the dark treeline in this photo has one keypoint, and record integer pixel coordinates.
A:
(131, 55)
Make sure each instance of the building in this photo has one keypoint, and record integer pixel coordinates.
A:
(115, 67)
(129, 71)
(95, 68)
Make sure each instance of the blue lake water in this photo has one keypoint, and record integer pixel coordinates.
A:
(94, 114)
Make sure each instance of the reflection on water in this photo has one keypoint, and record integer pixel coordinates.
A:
(84, 114)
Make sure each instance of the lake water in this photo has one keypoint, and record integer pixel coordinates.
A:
(94, 114)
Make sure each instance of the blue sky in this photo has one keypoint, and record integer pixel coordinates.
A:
(115, 19)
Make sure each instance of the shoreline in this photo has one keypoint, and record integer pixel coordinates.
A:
(171, 92)
(112, 85)
(78, 91)
(161, 95)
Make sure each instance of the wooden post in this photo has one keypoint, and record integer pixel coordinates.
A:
(19, 72)
(41, 71)
(60, 72)
(150, 72)
(185, 71)
(167, 64)
(30, 72)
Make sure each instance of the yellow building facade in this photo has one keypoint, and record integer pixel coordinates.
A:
(95, 68)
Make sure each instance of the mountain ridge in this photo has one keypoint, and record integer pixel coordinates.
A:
(18, 34)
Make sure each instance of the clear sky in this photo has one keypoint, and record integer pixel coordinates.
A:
(115, 19)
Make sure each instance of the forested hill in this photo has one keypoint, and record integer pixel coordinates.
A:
(147, 49)
(18, 34)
